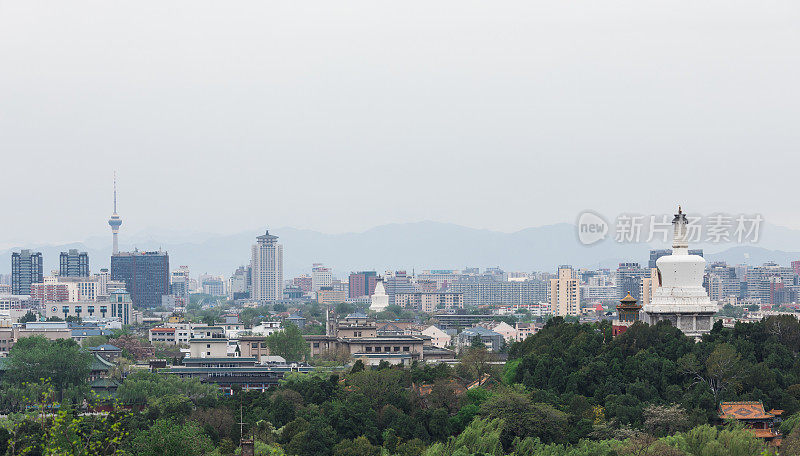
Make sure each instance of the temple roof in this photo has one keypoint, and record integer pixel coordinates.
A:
(744, 411)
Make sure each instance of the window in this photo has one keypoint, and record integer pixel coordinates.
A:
(405, 349)
(369, 349)
(255, 344)
(263, 345)
(316, 344)
(208, 345)
(397, 349)
(377, 349)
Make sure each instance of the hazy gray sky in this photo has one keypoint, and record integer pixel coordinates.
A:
(342, 115)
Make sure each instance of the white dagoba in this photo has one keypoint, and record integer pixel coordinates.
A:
(681, 298)
(380, 300)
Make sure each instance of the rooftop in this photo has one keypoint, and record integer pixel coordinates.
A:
(479, 331)
(219, 360)
(744, 411)
(105, 347)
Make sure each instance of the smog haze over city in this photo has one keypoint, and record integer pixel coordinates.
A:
(342, 116)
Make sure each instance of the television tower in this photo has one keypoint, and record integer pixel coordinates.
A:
(115, 221)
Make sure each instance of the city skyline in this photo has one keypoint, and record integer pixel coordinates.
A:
(374, 228)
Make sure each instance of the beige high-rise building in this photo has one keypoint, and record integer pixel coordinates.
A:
(267, 266)
(649, 285)
(565, 295)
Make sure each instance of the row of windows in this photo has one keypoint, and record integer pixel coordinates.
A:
(386, 349)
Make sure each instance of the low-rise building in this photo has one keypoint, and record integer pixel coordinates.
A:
(356, 325)
(165, 335)
(81, 333)
(393, 349)
(439, 338)
(229, 372)
(107, 351)
(253, 347)
(525, 329)
(491, 340)
(327, 295)
(508, 332)
(208, 348)
(266, 328)
(763, 424)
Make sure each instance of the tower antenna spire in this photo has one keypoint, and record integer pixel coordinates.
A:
(115, 221)
(115, 192)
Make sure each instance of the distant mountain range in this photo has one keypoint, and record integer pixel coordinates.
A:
(412, 246)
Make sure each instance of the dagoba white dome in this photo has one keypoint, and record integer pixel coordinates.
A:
(681, 298)
(380, 300)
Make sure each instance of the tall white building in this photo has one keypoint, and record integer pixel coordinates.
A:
(565, 295)
(267, 265)
(681, 298)
(320, 276)
(179, 282)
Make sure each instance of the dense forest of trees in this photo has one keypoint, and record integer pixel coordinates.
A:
(571, 389)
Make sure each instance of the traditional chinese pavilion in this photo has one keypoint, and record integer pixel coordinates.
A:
(627, 314)
(762, 424)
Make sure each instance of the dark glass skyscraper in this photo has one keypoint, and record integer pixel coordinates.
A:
(146, 276)
(74, 264)
(26, 268)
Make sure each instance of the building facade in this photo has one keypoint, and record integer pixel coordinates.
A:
(73, 264)
(26, 269)
(430, 302)
(146, 276)
(565, 293)
(629, 280)
(320, 276)
(267, 266)
(490, 292)
(362, 283)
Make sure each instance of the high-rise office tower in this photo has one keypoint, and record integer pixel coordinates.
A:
(74, 264)
(629, 280)
(115, 222)
(396, 283)
(26, 268)
(361, 283)
(146, 276)
(267, 265)
(239, 283)
(179, 282)
(320, 276)
(565, 295)
(102, 278)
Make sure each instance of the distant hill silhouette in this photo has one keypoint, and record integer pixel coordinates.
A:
(413, 246)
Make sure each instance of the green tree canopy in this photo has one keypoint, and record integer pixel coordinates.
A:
(142, 387)
(288, 343)
(171, 438)
(36, 359)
